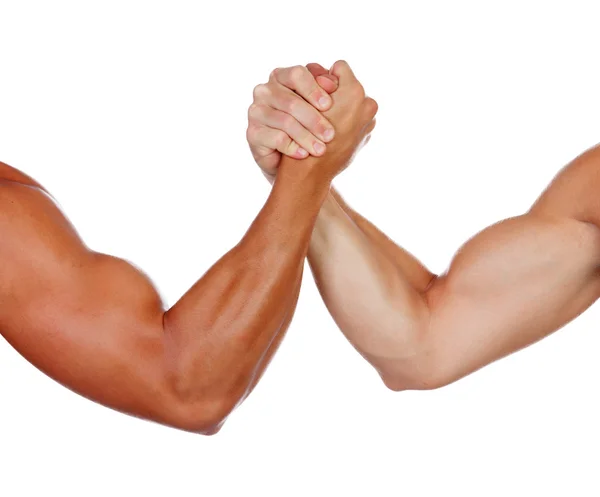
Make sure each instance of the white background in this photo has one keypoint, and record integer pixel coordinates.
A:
(134, 116)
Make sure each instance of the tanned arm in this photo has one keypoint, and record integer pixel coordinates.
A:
(96, 324)
(509, 286)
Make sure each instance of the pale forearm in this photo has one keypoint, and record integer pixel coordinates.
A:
(413, 269)
(374, 304)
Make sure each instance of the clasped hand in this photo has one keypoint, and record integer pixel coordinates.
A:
(310, 113)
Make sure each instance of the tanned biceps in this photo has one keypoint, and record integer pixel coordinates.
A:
(43, 259)
(86, 319)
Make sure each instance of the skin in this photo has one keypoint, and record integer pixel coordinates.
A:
(507, 287)
(96, 324)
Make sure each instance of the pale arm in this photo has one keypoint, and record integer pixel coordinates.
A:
(509, 286)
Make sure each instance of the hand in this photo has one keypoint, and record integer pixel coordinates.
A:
(353, 116)
(285, 116)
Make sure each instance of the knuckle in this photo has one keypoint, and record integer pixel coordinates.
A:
(291, 105)
(260, 91)
(253, 111)
(298, 72)
(358, 90)
(274, 73)
(258, 113)
(287, 121)
(372, 106)
(282, 140)
(251, 134)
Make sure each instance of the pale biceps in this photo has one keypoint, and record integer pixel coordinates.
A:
(511, 285)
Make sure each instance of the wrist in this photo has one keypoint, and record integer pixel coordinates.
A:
(288, 217)
(310, 170)
(330, 212)
(303, 184)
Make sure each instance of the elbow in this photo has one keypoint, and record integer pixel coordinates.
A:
(202, 410)
(199, 416)
(202, 424)
(428, 378)
(427, 368)
(420, 361)
(196, 400)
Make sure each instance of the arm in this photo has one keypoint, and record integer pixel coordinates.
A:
(509, 286)
(96, 324)
(512, 284)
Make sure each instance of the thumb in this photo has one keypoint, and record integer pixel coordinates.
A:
(324, 79)
(342, 70)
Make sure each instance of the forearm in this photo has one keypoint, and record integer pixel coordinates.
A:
(223, 331)
(374, 303)
(276, 341)
(412, 269)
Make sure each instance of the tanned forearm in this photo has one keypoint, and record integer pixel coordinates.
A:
(97, 325)
(224, 327)
(510, 285)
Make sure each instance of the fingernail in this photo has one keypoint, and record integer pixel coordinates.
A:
(301, 152)
(319, 148)
(328, 134)
(323, 102)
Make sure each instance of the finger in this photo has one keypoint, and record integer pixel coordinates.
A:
(264, 141)
(285, 100)
(273, 118)
(327, 81)
(316, 69)
(300, 80)
(269, 163)
(370, 127)
(281, 98)
(342, 70)
(371, 107)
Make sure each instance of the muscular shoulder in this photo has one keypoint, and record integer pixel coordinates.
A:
(26, 209)
(11, 174)
(41, 252)
(19, 194)
(34, 234)
(574, 192)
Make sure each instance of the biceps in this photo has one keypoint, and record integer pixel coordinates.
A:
(510, 286)
(90, 321)
(96, 328)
